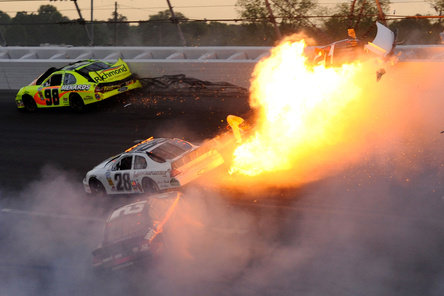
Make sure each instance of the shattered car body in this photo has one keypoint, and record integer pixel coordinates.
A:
(348, 50)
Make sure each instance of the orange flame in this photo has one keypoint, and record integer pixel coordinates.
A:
(301, 111)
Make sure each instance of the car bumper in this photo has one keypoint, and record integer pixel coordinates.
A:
(19, 103)
(113, 263)
(124, 88)
(86, 186)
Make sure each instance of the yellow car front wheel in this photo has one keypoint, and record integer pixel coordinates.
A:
(29, 103)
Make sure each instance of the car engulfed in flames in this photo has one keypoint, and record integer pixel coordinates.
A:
(309, 114)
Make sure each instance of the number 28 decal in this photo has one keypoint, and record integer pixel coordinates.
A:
(52, 96)
(123, 181)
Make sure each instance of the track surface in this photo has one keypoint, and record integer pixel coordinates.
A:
(329, 238)
(78, 141)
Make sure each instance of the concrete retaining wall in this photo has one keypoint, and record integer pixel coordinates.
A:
(20, 65)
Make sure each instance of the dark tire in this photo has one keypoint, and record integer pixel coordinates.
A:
(30, 105)
(149, 186)
(97, 187)
(76, 103)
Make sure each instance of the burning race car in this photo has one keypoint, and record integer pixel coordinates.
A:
(76, 85)
(150, 166)
(133, 232)
(348, 50)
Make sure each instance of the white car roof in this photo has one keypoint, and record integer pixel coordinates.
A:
(150, 144)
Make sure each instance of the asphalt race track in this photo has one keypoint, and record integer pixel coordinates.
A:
(345, 235)
(78, 141)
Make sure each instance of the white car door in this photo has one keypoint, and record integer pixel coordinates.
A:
(139, 171)
(121, 174)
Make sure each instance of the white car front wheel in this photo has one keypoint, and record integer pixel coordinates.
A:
(96, 187)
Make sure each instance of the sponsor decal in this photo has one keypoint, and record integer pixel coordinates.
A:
(134, 185)
(75, 87)
(110, 181)
(152, 173)
(109, 88)
(39, 91)
(110, 73)
(87, 98)
(123, 88)
(162, 173)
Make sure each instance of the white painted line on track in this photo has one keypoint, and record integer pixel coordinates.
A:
(49, 215)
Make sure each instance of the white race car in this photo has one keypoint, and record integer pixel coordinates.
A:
(152, 165)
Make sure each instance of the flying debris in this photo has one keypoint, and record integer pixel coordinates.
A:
(379, 74)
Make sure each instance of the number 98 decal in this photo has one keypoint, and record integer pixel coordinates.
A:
(123, 181)
(52, 96)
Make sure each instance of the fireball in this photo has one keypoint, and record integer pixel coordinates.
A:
(303, 113)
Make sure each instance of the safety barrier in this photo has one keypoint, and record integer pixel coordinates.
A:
(20, 65)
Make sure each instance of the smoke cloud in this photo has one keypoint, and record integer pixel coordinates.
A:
(375, 228)
(372, 225)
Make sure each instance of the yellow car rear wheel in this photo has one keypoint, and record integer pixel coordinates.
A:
(76, 103)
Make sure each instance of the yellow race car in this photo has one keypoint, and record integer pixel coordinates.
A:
(77, 85)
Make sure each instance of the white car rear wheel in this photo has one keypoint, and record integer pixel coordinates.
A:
(149, 186)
